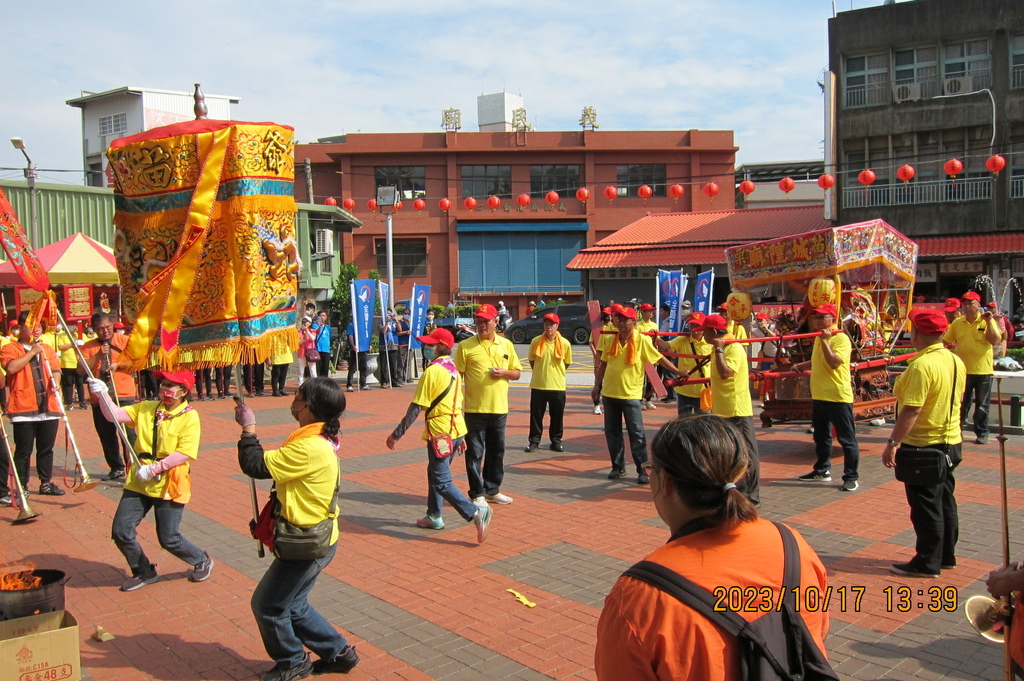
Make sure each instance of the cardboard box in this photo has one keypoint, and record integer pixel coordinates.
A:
(40, 647)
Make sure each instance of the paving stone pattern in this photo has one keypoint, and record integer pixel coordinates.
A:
(423, 604)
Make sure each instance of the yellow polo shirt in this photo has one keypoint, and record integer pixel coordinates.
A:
(305, 472)
(971, 345)
(927, 383)
(603, 339)
(433, 381)
(687, 345)
(622, 380)
(180, 432)
(647, 327)
(549, 372)
(731, 396)
(474, 358)
(828, 384)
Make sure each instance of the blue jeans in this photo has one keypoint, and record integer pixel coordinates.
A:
(439, 476)
(614, 412)
(132, 508)
(688, 405)
(286, 620)
(486, 435)
(839, 415)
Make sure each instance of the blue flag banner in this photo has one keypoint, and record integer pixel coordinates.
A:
(671, 287)
(702, 297)
(362, 312)
(419, 302)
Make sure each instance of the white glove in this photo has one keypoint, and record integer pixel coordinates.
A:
(145, 472)
(79, 343)
(96, 386)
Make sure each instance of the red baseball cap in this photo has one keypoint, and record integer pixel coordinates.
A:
(438, 336)
(606, 310)
(827, 308)
(626, 311)
(716, 322)
(551, 316)
(929, 321)
(761, 315)
(992, 304)
(952, 304)
(696, 320)
(647, 307)
(971, 295)
(181, 377)
(486, 312)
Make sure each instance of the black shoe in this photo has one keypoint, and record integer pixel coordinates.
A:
(532, 447)
(342, 664)
(908, 570)
(981, 440)
(616, 474)
(643, 479)
(139, 581)
(557, 447)
(82, 405)
(48, 489)
(261, 394)
(221, 396)
(948, 566)
(117, 474)
(300, 671)
(5, 500)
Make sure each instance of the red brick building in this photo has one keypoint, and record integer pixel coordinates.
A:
(509, 252)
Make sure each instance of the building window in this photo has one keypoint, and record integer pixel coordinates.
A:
(629, 178)
(562, 179)
(410, 257)
(410, 180)
(916, 72)
(114, 124)
(1017, 62)
(485, 181)
(966, 66)
(867, 80)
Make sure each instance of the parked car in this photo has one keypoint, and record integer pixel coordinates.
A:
(574, 324)
(461, 327)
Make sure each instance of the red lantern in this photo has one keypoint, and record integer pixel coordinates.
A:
(826, 181)
(330, 201)
(906, 172)
(866, 177)
(372, 204)
(953, 167)
(644, 192)
(995, 163)
(710, 189)
(610, 193)
(419, 204)
(747, 187)
(444, 204)
(494, 202)
(470, 203)
(398, 206)
(582, 194)
(551, 197)
(787, 185)
(676, 190)
(348, 204)
(523, 200)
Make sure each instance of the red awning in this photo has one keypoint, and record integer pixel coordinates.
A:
(648, 257)
(970, 244)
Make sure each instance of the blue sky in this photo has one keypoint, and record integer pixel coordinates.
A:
(330, 67)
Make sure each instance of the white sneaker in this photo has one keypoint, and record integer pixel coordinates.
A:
(480, 502)
(878, 422)
(651, 405)
(643, 406)
(498, 498)
(597, 409)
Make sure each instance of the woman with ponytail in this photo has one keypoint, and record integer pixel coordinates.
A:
(305, 474)
(720, 544)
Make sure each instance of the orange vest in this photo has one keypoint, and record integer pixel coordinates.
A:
(27, 386)
(124, 381)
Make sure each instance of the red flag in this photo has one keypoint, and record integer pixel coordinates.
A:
(15, 243)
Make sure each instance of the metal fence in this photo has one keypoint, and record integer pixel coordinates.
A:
(934, 191)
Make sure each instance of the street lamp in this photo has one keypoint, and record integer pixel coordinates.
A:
(31, 173)
(387, 197)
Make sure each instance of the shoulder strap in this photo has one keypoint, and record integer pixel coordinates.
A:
(699, 364)
(440, 397)
(952, 394)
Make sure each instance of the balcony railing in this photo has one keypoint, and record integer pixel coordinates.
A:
(1017, 77)
(925, 87)
(934, 191)
(1017, 188)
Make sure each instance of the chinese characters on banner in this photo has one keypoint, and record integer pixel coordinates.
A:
(964, 267)
(24, 297)
(77, 302)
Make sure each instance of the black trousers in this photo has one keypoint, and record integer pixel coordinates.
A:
(485, 453)
(278, 376)
(40, 435)
(751, 484)
(70, 382)
(222, 376)
(934, 517)
(356, 363)
(839, 415)
(615, 412)
(254, 377)
(539, 401)
(977, 391)
(323, 365)
(109, 439)
(203, 378)
(5, 468)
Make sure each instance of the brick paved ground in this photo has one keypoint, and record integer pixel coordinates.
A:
(434, 605)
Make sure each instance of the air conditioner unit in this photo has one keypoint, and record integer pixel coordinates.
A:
(959, 85)
(906, 92)
(324, 243)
